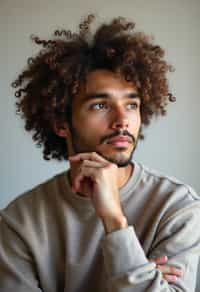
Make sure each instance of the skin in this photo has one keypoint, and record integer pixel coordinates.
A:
(170, 273)
(106, 107)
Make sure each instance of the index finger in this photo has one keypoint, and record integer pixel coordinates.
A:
(89, 156)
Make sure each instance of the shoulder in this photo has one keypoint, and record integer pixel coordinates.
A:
(34, 203)
(173, 204)
(166, 196)
(165, 183)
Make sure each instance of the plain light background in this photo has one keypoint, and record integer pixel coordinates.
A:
(172, 142)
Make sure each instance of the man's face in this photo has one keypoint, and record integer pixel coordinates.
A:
(106, 117)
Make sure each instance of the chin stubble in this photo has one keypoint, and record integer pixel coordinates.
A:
(104, 140)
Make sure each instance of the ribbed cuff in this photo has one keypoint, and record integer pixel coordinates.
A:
(122, 252)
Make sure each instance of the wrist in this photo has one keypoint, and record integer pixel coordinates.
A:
(114, 223)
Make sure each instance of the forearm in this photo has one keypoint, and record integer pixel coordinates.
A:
(128, 268)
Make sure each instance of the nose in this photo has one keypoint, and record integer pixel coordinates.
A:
(119, 120)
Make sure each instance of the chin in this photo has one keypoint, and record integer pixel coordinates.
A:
(120, 163)
(119, 159)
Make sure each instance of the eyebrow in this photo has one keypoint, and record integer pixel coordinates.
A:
(91, 96)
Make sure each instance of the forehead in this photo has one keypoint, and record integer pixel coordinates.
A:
(103, 80)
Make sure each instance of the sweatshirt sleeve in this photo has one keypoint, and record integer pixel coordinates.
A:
(17, 271)
(129, 270)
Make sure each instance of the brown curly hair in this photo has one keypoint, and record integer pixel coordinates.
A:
(52, 77)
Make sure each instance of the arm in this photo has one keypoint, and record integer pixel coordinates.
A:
(17, 271)
(127, 266)
(128, 269)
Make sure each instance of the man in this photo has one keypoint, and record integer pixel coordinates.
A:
(108, 223)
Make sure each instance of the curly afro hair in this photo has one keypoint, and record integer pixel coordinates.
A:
(52, 78)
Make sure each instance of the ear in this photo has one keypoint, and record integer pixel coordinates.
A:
(62, 130)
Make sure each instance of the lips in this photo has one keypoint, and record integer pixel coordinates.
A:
(119, 139)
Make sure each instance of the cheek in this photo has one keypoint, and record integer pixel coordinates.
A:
(89, 127)
(86, 119)
(134, 121)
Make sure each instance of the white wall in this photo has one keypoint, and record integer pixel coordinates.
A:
(172, 143)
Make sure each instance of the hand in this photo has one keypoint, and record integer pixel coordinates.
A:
(170, 273)
(95, 177)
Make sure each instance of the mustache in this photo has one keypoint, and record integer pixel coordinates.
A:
(104, 139)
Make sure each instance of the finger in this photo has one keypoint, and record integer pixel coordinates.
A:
(165, 269)
(90, 156)
(89, 163)
(160, 260)
(170, 278)
(85, 172)
(76, 182)
(86, 187)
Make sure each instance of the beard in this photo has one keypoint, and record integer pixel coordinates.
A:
(80, 146)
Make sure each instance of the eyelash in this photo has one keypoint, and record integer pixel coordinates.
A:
(92, 106)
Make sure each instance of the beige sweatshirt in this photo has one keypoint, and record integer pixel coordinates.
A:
(52, 241)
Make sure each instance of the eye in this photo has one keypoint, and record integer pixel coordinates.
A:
(133, 105)
(98, 106)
